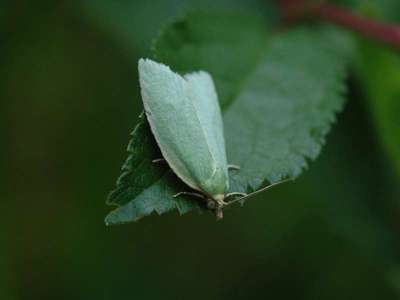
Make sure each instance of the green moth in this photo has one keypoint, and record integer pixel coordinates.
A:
(185, 119)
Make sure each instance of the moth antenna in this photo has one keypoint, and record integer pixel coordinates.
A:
(259, 191)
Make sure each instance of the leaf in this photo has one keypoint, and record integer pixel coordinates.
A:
(378, 70)
(146, 180)
(279, 95)
(382, 92)
(135, 34)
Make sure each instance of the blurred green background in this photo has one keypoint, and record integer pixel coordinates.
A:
(69, 99)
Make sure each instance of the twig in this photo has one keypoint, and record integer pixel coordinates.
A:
(378, 31)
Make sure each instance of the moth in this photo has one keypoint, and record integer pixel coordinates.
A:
(185, 119)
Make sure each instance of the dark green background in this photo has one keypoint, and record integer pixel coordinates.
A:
(69, 98)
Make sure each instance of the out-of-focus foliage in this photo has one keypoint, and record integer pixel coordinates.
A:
(385, 10)
(379, 72)
(69, 98)
(121, 20)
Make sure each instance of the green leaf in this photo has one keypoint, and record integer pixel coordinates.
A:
(134, 34)
(150, 185)
(378, 70)
(279, 96)
(384, 10)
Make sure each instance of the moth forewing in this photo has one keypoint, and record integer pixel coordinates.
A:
(205, 101)
(186, 122)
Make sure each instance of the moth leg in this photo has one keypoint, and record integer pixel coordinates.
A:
(158, 160)
(235, 194)
(233, 167)
(189, 194)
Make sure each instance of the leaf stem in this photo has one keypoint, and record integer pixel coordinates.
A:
(382, 32)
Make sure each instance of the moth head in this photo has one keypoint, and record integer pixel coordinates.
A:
(216, 206)
(215, 201)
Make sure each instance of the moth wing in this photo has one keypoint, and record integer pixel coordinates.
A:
(174, 123)
(205, 100)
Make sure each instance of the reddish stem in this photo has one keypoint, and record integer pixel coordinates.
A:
(386, 33)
